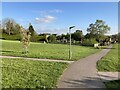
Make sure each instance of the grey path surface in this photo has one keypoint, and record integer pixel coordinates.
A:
(109, 76)
(50, 60)
(83, 73)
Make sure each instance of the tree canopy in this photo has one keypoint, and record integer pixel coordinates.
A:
(97, 29)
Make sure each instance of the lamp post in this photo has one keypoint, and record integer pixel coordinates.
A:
(70, 54)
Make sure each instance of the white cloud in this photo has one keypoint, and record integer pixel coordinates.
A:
(51, 29)
(45, 12)
(55, 11)
(46, 19)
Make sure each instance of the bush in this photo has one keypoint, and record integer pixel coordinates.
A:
(88, 42)
(35, 38)
(52, 39)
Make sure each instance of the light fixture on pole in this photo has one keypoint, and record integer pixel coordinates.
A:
(70, 54)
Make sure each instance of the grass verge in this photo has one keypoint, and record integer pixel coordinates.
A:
(110, 61)
(20, 73)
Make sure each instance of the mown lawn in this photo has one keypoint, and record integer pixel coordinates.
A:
(49, 51)
(110, 61)
(21, 73)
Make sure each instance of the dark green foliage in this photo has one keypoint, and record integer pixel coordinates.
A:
(77, 35)
(52, 38)
(97, 30)
(31, 30)
(89, 42)
(113, 85)
(10, 37)
(36, 38)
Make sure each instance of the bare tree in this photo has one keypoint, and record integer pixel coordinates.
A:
(8, 25)
(25, 39)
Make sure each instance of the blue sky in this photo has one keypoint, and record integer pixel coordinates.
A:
(56, 17)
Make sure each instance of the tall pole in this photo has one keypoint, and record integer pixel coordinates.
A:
(70, 52)
(70, 45)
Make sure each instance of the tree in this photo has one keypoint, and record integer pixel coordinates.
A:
(119, 37)
(52, 38)
(17, 29)
(31, 30)
(92, 29)
(0, 25)
(101, 27)
(77, 35)
(98, 29)
(8, 25)
(115, 37)
(25, 35)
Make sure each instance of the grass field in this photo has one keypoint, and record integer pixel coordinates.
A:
(49, 51)
(110, 61)
(19, 73)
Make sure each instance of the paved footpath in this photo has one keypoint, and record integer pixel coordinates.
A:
(83, 73)
(109, 76)
(50, 60)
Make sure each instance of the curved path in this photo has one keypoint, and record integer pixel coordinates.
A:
(83, 73)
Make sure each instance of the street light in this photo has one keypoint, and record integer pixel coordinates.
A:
(70, 54)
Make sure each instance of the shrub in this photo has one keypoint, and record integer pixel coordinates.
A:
(35, 38)
(88, 42)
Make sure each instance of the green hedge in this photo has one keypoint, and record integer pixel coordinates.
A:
(34, 38)
(10, 37)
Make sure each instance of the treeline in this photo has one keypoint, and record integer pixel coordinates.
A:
(96, 34)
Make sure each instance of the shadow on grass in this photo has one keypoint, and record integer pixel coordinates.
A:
(104, 48)
(9, 51)
(110, 48)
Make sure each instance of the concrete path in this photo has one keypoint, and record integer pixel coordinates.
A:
(83, 73)
(50, 60)
(109, 76)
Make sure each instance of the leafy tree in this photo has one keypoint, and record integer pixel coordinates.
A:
(115, 37)
(52, 38)
(77, 35)
(58, 37)
(67, 36)
(97, 30)
(101, 27)
(92, 29)
(119, 37)
(87, 36)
